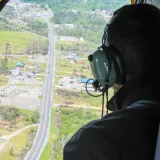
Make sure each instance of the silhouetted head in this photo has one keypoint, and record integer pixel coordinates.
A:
(135, 31)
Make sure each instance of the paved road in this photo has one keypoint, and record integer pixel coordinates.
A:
(42, 133)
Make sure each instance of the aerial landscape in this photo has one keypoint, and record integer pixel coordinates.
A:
(44, 67)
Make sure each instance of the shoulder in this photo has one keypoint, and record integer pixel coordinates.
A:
(95, 137)
(119, 121)
(94, 129)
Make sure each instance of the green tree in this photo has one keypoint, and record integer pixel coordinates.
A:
(9, 114)
(35, 117)
(37, 46)
(4, 66)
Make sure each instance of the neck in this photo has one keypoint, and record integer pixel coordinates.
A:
(134, 90)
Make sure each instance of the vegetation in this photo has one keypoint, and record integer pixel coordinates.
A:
(37, 46)
(31, 135)
(84, 15)
(18, 118)
(4, 66)
(22, 43)
(8, 12)
(19, 145)
(76, 46)
(37, 26)
(35, 117)
(3, 80)
(10, 63)
(9, 114)
(17, 41)
(87, 25)
(46, 154)
(41, 78)
(10, 21)
(64, 67)
(82, 99)
(64, 123)
(82, 4)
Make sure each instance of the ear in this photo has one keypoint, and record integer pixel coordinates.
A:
(119, 64)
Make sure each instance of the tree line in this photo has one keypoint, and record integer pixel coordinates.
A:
(82, 4)
(87, 24)
(10, 114)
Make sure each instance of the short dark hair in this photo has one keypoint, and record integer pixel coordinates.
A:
(139, 25)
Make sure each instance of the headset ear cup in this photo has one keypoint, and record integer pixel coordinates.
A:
(103, 68)
(118, 63)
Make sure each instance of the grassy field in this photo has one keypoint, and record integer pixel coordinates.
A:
(3, 80)
(41, 78)
(26, 112)
(57, 80)
(62, 128)
(17, 40)
(76, 45)
(63, 73)
(77, 98)
(65, 68)
(12, 61)
(18, 142)
(43, 66)
(46, 154)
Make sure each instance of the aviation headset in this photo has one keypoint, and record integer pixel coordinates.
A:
(107, 65)
(107, 68)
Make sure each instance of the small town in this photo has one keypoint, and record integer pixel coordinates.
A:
(53, 84)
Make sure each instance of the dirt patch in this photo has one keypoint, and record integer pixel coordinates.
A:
(21, 96)
(58, 120)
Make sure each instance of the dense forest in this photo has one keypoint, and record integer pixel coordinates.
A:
(81, 13)
(82, 4)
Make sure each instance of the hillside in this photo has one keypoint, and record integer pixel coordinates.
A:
(78, 27)
(17, 40)
(82, 4)
(81, 18)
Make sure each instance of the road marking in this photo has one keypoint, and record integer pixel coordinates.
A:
(46, 102)
(44, 126)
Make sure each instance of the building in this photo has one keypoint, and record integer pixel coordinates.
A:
(15, 73)
(20, 65)
(66, 38)
(85, 80)
(70, 26)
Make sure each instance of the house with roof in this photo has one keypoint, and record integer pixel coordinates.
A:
(85, 80)
(20, 65)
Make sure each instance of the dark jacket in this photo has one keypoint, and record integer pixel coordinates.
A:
(127, 134)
